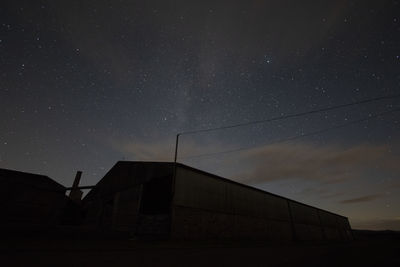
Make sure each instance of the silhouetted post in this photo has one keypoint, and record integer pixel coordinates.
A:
(175, 159)
(176, 147)
(294, 236)
(76, 193)
(174, 176)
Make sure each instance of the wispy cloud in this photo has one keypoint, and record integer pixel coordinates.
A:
(327, 164)
(302, 161)
(361, 199)
(159, 150)
(377, 224)
(322, 192)
(136, 150)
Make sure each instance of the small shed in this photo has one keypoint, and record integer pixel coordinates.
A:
(28, 199)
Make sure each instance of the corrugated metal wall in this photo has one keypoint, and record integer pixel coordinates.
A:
(207, 207)
(133, 197)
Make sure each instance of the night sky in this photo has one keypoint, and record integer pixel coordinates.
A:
(84, 84)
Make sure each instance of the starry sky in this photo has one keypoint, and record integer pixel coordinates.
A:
(84, 84)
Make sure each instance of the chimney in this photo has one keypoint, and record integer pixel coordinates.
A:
(76, 194)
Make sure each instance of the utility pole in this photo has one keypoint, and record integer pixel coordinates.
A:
(176, 147)
(175, 158)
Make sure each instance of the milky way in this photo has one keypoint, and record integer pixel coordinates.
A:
(83, 85)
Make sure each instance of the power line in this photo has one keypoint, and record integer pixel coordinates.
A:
(297, 136)
(292, 115)
(280, 118)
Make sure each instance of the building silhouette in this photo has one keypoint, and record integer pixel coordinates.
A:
(162, 200)
(30, 200)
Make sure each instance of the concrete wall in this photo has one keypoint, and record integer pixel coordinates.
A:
(208, 207)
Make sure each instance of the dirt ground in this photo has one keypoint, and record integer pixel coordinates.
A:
(369, 249)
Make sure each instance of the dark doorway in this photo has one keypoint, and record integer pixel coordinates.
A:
(156, 197)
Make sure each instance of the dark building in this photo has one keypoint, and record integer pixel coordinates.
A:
(29, 199)
(158, 200)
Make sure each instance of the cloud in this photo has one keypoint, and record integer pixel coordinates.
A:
(322, 192)
(361, 199)
(327, 164)
(377, 224)
(159, 150)
(301, 161)
(144, 150)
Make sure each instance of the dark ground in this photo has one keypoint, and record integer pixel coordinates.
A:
(369, 249)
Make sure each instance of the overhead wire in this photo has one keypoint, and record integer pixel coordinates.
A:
(297, 136)
(283, 117)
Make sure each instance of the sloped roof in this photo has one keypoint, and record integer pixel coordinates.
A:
(126, 174)
(37, 181)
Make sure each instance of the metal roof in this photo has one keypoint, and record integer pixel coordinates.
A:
(37, 181)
